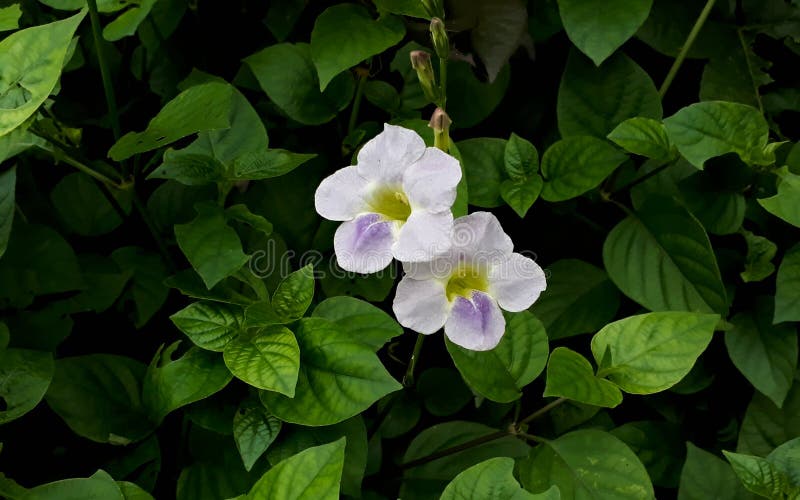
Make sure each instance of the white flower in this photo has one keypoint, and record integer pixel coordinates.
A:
(465, 289)
(395, 202)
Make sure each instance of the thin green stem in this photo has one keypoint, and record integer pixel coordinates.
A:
(351, 124)
(642, 178)
(455, 449)
(88, 170)
(105, 72)
(408, 379)
(542, 411)
(698, 25)
(531, 437)
(443, 83)
(109, 196)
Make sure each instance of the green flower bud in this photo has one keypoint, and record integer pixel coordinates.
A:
(441, 43)
(440, 123)
(421, 62)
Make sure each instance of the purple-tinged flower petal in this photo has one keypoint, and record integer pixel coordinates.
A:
(423, 236)
(476, 324)
(516, 283)
(364, 245)
(340, 195)
(385, 157)
(421, 305)
(431, 182)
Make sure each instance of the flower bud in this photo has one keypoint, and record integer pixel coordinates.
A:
(440, 123)
(421, 62)
(441, 43)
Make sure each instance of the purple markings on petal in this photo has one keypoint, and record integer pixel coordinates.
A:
(475, 324)
(364, 245)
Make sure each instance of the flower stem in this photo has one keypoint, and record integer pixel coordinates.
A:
(105, 73)
(408, 379)
(698, 25)
(443, 83)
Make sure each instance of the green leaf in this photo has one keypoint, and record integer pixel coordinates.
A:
(571, 376)
(9, 17)
(382, 95)
(100, 485)
(25, 376)
(313, 474)
(196, 109)
(586, 464)
(33, 59)
(661, 258)
(267, 163)
(286, 73)
(592, 101)
(241, 213)
(500, 374)
(212, 247)
(764, 353)
(660, 447)
(765, 426)
(707, 476)
(521, 194)
(428, 480)
(8, 184)
(643, 136)
(98, 396)
(483, 161)
(784, 205)
(771, 477)
(364, 322)
(84, 208)
(254, 430)
(5, 337)
(520, 158)
(339, 377)
(575, 165)
(210, 325)
(148, 291)
(127, 22)
(411, 8)
(345, 34)
(294, 294)
(470, 100)
(442, 391)
(373, 287)
(720, 209)
(490, 480)
(268, 359)
(652, 352)
(787, 288)
(713, 128)
(598, 27)
(172, 383)
(579, 299)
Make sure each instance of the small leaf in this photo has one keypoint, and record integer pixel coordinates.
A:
(241, 213)
(707, 476)
(766, 426)
(210, 325)
(571, 376)
(599, 27)
(364, 322)
(84, 208)
(8, 184)
(197, 109)
(9, 17)
(484, 168)
(784, 205)
(500, 374)
(212, 247)
(498, 33)
(147, 290)
(345, 34)
(100, 485)
(520, 195)
(267, 163)
(575, 165)
(25, 376)
(313, 474)
(294, 294)
(787, 288)
(643, 136)
(254, 430)
(491, 480)
(652, 352)
(521, 159)
(713, 128)
(127, 22)
(268, 359)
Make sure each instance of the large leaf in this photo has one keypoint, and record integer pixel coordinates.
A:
(267, 358)
(170, 384)
(32, 60)
(587, 464)
(651, 352)
(713, 128)
(286, 73)
(575, 165)
(313, 474)
(579, 299)
(361, 320)
(339, 377)
(775, 476)
(483, 161)
(492, 479)
(599, 27)
(571, 376)
(500, 374)
(592, 100)
(84, 208)
(766, 354)
(765, 426)
(25, 376)
(469, 99)
(707, 476)
(197, 109)
(659, 446)
(787, 288)
(8, 184)
(784, 204)
(661, 258)
(254, 430)
(345, 34)
(99, 397)
(210, 325)
(100, 485)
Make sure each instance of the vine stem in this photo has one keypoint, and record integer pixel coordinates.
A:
(105, 73)
(408, 379)
(698, 25)
(362, 81)
(643, 178)
(542, 411)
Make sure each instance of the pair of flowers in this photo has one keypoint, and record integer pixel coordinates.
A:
(396, 203)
